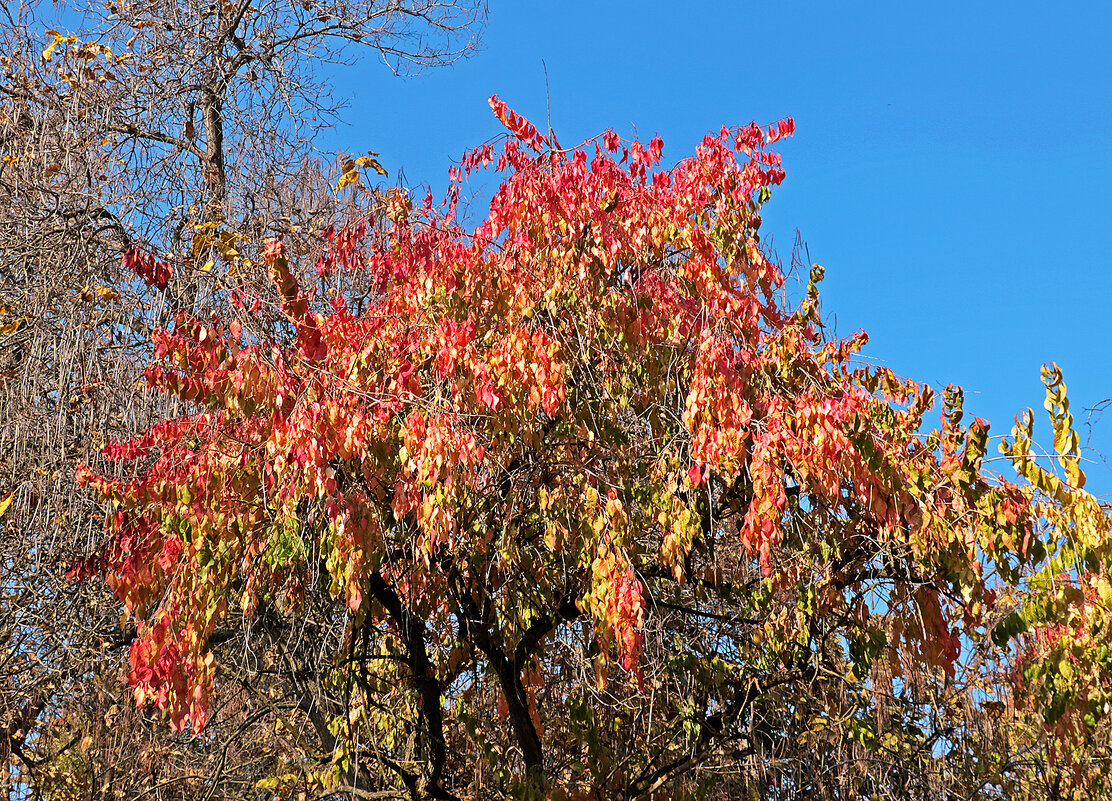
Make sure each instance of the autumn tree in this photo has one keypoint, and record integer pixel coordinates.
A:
(179, 128)
(582, 503)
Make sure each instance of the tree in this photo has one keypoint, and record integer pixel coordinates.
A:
(577, 504)
(179, 128)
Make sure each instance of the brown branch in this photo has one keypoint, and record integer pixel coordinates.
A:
(412, 631)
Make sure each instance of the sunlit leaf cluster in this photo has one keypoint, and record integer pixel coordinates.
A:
(605, 508)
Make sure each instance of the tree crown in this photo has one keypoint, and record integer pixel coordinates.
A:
(591, 436)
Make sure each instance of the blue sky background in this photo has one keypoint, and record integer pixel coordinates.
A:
(950, 167)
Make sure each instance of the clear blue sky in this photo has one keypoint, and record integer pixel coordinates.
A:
(950, 167)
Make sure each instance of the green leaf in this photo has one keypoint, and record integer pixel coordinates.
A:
(1011, 626)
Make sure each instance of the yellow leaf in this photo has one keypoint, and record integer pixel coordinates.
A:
(46, 54)
(368, 161)
(226, 244)
(200, 243)
(11, 328)
(4, 504)
(1104, 590)
(107, 294)
(349, 177)
(207, 266)
(58, 39)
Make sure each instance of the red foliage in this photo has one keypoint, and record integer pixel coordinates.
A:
(533, 404)
(155, 273)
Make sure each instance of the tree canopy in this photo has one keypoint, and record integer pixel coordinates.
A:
(584, 502)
